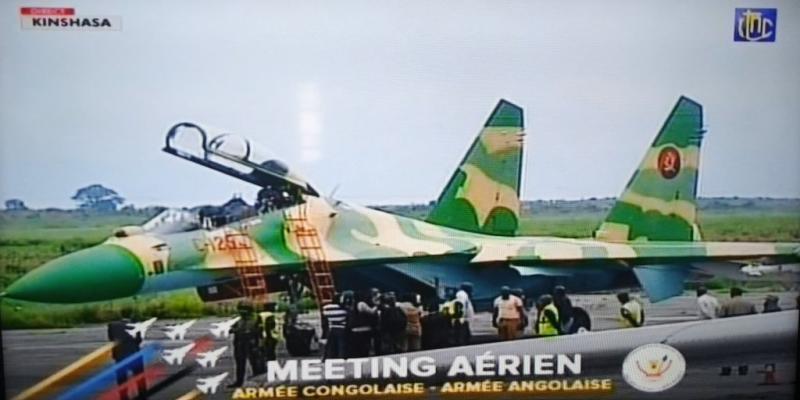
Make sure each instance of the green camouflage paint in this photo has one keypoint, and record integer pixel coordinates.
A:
(659, 202)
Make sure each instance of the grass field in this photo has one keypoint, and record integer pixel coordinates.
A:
(28, 240)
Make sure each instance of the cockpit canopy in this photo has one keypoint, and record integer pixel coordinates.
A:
(235, 156)
(172, 220)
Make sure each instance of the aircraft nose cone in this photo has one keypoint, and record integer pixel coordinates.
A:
(98, 273)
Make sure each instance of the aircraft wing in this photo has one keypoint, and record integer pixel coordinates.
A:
(660, 267)
(649, 253)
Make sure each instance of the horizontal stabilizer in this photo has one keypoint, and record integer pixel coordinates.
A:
(661, 281)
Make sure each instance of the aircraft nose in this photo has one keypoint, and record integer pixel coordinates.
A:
(98, 273)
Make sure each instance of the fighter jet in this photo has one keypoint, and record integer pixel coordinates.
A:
(650, 238)
(176, 356)
(209, 385)
(178, 331)
(209, 359)
(223, 329)
(140, 328)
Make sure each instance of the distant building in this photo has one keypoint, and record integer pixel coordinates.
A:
(236, 208)
(233, 210)
(15, 205)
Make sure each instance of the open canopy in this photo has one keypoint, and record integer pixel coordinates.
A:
(233, 155)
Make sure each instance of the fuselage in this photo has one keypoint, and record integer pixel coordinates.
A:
(141, 263)
(355, 241)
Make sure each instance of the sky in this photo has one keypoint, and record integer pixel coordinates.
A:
(380, 100)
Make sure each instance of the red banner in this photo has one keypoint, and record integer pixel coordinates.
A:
(46, 11)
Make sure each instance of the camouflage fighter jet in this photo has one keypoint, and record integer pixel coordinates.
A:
(650, 238)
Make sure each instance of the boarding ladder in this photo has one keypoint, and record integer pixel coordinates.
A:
(310, 246)
(240, 246)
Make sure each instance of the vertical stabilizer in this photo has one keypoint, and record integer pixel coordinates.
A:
(660, 200)
(483, 193)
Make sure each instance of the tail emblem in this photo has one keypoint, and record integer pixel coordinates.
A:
(669, 162)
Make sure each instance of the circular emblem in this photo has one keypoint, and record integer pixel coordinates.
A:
(653, 367)
(669, 162)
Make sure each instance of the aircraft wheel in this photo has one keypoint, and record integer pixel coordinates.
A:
(581, 321)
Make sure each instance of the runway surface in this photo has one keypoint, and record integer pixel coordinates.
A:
(32, 355)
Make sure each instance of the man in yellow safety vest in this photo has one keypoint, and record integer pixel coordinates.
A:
(548, 323)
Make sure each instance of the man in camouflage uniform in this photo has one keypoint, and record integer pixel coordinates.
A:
(247, 335)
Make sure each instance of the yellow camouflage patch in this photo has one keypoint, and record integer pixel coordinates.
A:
(148, 248)
(499, 140)
(391, 235)
(681, 208)
(613, 232)
(485, 194)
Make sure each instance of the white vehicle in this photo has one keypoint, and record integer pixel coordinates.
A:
(209, 359)
(140, 328)
(176, 356)
(178, 331)
(209, 385)
(223, 329)
(756, 270)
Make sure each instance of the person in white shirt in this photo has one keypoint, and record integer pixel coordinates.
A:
(463, 295)
(509, 315)
(708, 306)
(462, 330)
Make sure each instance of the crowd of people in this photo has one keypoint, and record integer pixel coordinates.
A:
(378, 323)
(709, 307)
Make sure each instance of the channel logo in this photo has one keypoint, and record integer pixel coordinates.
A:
(653, 367)
(66, 19)
(755, 24)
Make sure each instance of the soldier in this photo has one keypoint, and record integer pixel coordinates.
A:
(631, 312)
(548, 323)
(247, 335)
(737, 306)
(125, 346)
(271, 333)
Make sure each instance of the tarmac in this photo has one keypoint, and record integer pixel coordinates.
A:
(32, 355)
